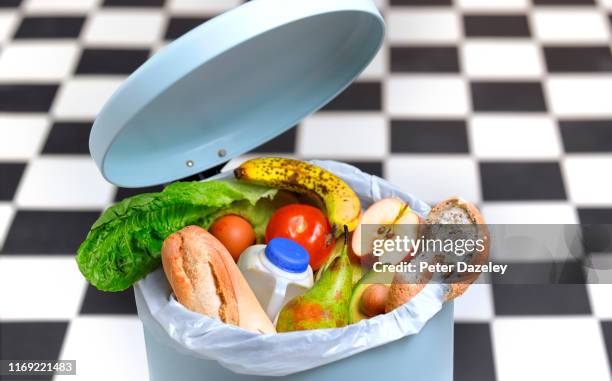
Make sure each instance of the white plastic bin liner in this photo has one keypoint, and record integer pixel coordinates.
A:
(282, 354)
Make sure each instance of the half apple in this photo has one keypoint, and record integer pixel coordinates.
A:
(387, 219)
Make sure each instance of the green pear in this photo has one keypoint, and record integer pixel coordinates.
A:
(326, 304)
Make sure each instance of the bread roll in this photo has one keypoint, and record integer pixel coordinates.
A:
(458, 211)
(205, 279)
(401, 291)
(454, 211)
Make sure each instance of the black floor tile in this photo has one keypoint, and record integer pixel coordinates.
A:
(360, 96)
(372, 167)
(100, 302)
(496, 26)
(564, 2)
(31, 341)
(26, 378)
(508, 96)
(50, 27)
(178, 26)
(596, 240)
(48, 232)
(283, 143)
(596, 230)
(606, 328)
(429, 136)
(541, 289)
(568, 272)
(10, 175)
(27, 98)
(425, 59)
(134, 3)
(129, 192)
(503, 181)
(541, 299)
(68, 138)
(587, 135)
(9, 3)
(420, 2)
(111, 61)
(473, 354)
(578, 59)
(595, 216)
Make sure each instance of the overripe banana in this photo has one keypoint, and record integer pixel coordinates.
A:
(341, 203)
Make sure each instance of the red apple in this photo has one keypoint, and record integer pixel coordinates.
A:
(386, 215)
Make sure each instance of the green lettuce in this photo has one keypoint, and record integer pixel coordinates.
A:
(124, 244)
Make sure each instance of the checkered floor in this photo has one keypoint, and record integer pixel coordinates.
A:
(505, 102)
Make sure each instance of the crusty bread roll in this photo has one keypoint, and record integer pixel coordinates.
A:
(458, 211)
(454, 211)
(205, 279)
(402, 291)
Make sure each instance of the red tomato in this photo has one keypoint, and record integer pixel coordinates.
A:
(307, 226)
(234, 232)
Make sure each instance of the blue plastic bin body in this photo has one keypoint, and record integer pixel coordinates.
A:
(427, 356)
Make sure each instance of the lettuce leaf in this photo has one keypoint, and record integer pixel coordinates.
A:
(124, 244)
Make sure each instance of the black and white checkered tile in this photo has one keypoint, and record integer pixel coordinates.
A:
(506, 102)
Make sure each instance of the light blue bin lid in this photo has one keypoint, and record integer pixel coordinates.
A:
(230, 85)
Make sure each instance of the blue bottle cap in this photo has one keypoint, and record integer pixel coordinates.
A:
(287, 255)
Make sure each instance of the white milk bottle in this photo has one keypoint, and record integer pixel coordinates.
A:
(276, 273)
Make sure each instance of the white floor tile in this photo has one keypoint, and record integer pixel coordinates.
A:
(529, 212)
(589, 180)
(55, 6)
(600, 300)
(8, 21)
(66, 182)
(6, 217)
(514, 137)
(38, 62)
(203, 6)
(346, 136)
(549, 349)
(381, 4)
(106, 348)
(415, 96)
(570, 25)
(501, 59)
(121, 28)
(83, 98)
(497, 5)
(378, 67)
(434, 179)
(422, 26)
(580, 97)
(54, 292)
(518, 241)
(607, 4)
(475, 305)
(21, 137)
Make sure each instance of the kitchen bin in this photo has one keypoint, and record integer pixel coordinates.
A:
(221, 90)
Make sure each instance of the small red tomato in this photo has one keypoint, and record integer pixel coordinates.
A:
(234, 232)
(305, 225)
